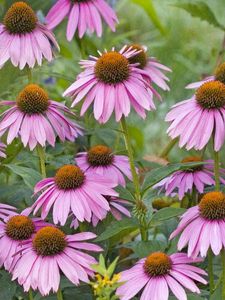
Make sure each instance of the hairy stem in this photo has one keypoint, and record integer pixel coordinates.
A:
(59, 295)
(30, 294)
(168, 148)
(223, 273)
(41, 154)
(217, 170)
(210, 271)
(131, 159)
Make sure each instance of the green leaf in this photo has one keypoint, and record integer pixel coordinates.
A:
(124, 193)
(29, 176)
(116, 228)
(148, 6)
(158, 174)
(143, 249)
(8, 288)
(217, 293)
(166, 214)
(200, 10)
(112, 267)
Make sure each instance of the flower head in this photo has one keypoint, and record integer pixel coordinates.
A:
(182, 182)
(151, 67)
(26, 41)
(15, 230)
(73, 190)
(202, 226)
(158, 273)
(101, 160)
(36, 119)
(112, 84)
(199, 118)
(83, 15)
(50, 252)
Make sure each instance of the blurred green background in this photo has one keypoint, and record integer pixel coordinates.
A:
(187, 43)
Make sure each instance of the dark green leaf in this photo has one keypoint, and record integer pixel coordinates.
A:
(125, 193)
(200, 10)
(116, 228)
(8, 287)
(166, 214)
(29, 176)
(143, 249)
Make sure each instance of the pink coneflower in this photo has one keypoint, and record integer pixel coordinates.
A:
(6, 211)
(182, 182)
(118, 209)
(73, 190)
(36, 119)
(50, 252)
(151, 66)
(2, 150)
(199, 118)
(15, 230)
(157, 274)
(83, 15)
(202, 226)
(23, 39)
(101, 160)
(112, 84)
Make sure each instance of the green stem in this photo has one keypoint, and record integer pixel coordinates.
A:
(217, 170)
(41, 154)
(131, 159)
(29, 75)
(193, 200)
(30, 294)
(144, 234)
(210, 271)
(223, 276)
(168, 148)
(59, 295)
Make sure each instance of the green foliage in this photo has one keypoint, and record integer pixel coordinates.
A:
(148, 6)
(200, 10)
(30, 176)
(125, 225)
(142, 249)
(165, 214)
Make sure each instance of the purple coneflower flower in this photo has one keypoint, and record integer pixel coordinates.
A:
(72, 190)
(199, 118)
(23, 39)
(118, 208)
(182, 182)
(158, 274)
(151, 66)
(2, 150)
(15, 230)
(202, 226)
(101, 160)
(82, 15)
(50, 252)
(36, 119)
(112, 84)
